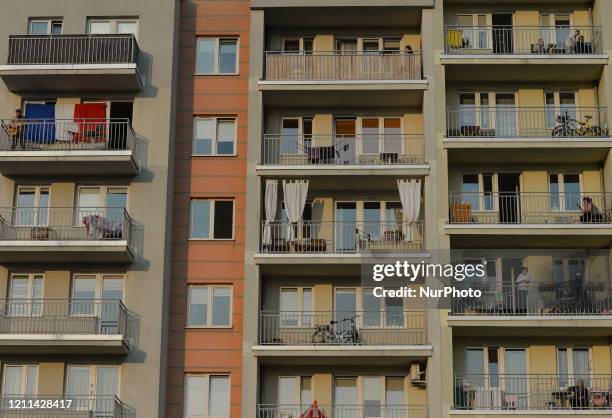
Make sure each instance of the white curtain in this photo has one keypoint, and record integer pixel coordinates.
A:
(64, 125)
(294, 193)
(410, 196)
(270, 207)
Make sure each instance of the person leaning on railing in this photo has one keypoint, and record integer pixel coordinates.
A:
(14, 129)
(590, 212)
(579, 395)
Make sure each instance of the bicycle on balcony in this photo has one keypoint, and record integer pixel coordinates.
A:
(569, 126)
(337, 333)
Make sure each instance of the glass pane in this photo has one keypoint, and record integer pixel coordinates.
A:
(392, 141)
(394, 312)
(475, 367)
(290, 139)
(571, 191)
(558, 271)
(489, 201)
(391, 44)
(581, 365)
(106, 386)
(225, 136)
(370, 45)
(89, 202)
(393, 217)
(100, 27)
(12, 380)
(19, 287)
(39, 28)
(78, 381)
(221, 306)
(394, 391)
(227, 56)
(470, 191)
(345, 303)
(128, 26)
(306, 306)
(371, 220)
(371, 396)
(83, 295)
(516, 364)
(291, 46)
(345, 392)
(32, 382)
(116, 203)
(493, 367)
(112, 288)
(200, 219)
(306, 392)
(467, 109)
(218, 398)
(505, 115)
(224, 219)
(289, 307)
(43, 205)
(370, 135)
(37, 294)
(287, 390)
(26, 201)
(194, 394)
(202, 143)
(554, 189)
(371, 308)
(205, 60)
(562, 366)
(198, 305)
(346, 223)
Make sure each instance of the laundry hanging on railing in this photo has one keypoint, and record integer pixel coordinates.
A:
(294, 193)
(410, 196)
(91, 122)
(271, 197)
(40, 123)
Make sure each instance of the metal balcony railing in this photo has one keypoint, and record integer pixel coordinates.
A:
(318, 150)
(572, 298)
(66, 135)
(337, 65)
(523, 40)
(341, 411)
(64, 224)
(532, 392)
(530, 208)
(72, 49)
(527, 122)
(43, 406)
(50, 316)
(335, 237)
(342, 328)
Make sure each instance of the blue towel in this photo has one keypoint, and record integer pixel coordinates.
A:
(41, 131)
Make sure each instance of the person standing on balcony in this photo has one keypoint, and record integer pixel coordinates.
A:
(15, 130)
(523, 281)
(590, 212)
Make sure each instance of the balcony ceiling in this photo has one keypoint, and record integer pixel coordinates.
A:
(511, 70)
(338, 17)
(581, 239)
(345, 99)
(529, 2)
(530, 154)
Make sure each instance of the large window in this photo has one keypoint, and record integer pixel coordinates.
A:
(212, 219)
(44, 27)
(19, 380)
(564, 191)
(209, 306)
(32, 206)
(109, 201)
(100, 382)
(25, 294)
(217, 56)
(559, 103)
(295, 390)
(105, 26)
(573, 364)
(296, 305)
(207, 396)
(214, 136)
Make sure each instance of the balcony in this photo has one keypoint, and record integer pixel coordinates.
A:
(65, 235)
(320, 154)
(67, 147)
(343, 238)
(341, 411)
(64, 406)
(47, 326)
(547, 49)
(87, 63)
(526, 392)
(347, 329)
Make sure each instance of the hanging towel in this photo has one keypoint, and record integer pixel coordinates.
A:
(65, 128)
(91, 122)
(40, 123)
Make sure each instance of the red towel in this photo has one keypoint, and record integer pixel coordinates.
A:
(91, 121)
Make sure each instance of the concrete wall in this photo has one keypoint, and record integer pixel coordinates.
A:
(143, 370)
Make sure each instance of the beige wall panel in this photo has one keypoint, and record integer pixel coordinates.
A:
(323, 297)
(322, 388)
(50, 378)
(591, 181)
(601, 360)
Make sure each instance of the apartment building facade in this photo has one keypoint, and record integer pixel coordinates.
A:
(206, 320)
(85, 197)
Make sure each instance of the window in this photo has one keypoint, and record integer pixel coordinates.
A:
(559, 104)
(476, 30)
(32, 206)
(573, 364)
(296, 305)
(25, 294)
(295, 390)
(214, 136)
(19, 380)
(564, 189)
(207, 396)
(212, 219)
(296, 135)
(98, 295)
(217, 56)
(381, 135)
(297, 45)
(101, 382)
(112, 26)
(209, 306)
(566, 269)
(109, 201)
(478, 189)
(45, 27)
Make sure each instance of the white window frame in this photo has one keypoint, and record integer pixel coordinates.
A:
(570, 359)
(206, 394)
(360, 386)
(93, 377)
(481, 190)
(304, 316)
(300, 120)
(215, 120)
(24, 378)
(381, 131)
(99, 277)
(114, 23)
(209, 305)
(492, 97)
(31, 277)
(49, 22)
(476, 29)
(301, 40)
(103, 192)
(216, 64)
(561, 176)
(359, 293)
(501, 362)
(298, 387)
(211, 220)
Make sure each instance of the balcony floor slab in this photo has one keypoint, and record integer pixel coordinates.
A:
(65, 252)
(62, 344)
(28, 163)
